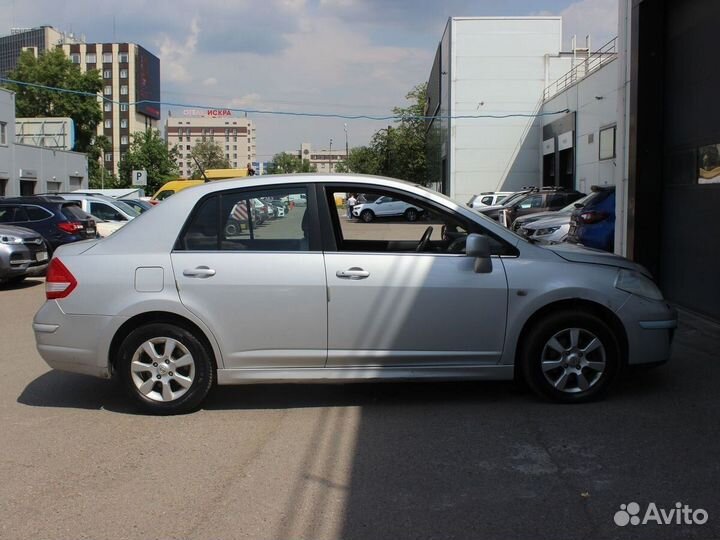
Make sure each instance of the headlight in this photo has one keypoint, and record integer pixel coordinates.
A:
(636, 283)
(543, 232)
(9, 239)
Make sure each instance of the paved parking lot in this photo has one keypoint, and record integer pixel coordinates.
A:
(470, 460)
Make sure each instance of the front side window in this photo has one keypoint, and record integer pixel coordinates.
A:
(251, 220)
(531, 201)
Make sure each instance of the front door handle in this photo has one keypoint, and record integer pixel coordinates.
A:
(199, 272)
(353, 273)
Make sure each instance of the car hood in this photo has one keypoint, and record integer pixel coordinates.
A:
(20, 232)
(529, 218)
(550, 221)
(580, 254)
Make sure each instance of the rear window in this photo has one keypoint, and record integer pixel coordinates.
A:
(74, 212)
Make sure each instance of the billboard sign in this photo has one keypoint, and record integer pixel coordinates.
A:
(147, 83)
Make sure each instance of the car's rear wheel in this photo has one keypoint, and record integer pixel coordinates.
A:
(411, 214)
(165, 368)
(570, 356)
(367, 216)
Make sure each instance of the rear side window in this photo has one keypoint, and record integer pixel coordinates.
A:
(73, 212)
(250, 220)
(36, 213)
(487, 200)
(14, 214)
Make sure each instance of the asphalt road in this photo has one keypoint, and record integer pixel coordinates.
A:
(363, 461)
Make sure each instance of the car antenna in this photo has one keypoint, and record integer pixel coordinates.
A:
(202, 171)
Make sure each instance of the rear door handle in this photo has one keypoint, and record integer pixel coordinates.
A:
(199, 272)
(353, 273)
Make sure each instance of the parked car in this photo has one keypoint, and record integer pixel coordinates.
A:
(593, 224)
(23, 253)
(531, 201)
(550, 230)
(163, 311)
(106, 228)
(57, 220)
(138, 204)
(173, 187)
(384, 207)
(529, 218)
(488, 198)
(106, 208)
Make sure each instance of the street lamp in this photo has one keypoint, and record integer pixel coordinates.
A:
(347, 151)
(330, 157)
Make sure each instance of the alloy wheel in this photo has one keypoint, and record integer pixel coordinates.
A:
(573, 360)
(162, 369)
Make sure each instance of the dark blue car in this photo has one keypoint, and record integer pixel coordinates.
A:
(593, 224)
(59, 221)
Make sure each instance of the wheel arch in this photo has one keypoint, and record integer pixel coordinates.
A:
(158, 317)
(599, 310)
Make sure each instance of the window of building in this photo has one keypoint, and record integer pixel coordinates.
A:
(124, 107)
(227, 147)
(91, 58)
(3, 133)
(35, 213)
(108, 156)
(234, 156)
(187, 147)
(123, 123)
(180, 138)
(123, 139)
(123, 90)
(123, 73)
(123, 58)
(107, 90)
(107, 106)
(234, 146)
(107, 73)
(607, 142)
(108, 123)
(107, 57)
(75, 58)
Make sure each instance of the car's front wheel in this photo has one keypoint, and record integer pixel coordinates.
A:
(367, 216)
(570, 356)
(165, 368)
(411, 214)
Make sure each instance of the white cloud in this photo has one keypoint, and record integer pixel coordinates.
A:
(210, 81)
(175, 57)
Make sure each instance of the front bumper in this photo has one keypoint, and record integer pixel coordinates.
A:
(650, 326)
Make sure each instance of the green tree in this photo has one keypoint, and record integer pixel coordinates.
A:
(98, 175)
(284, 163)
(209, 155)
(54, 69)
(397, 151)
(150, 152)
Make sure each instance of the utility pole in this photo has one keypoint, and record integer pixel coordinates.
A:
(330, 157)
(347, 149)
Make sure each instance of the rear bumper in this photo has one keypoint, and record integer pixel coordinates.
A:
(73, 343)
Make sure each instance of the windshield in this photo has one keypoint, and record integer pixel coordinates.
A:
(583, 201)
(515, 197)
(129, 210)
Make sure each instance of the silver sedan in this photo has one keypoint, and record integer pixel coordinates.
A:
(173, 303)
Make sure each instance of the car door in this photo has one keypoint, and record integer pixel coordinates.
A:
(260, 288)
(390, 306)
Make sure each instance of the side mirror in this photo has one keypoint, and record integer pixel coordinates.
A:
(478, 246)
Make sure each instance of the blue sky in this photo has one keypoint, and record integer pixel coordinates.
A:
(346, 56)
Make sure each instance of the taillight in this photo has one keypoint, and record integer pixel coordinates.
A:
(70, 227)
(593, 217)
(59, 282)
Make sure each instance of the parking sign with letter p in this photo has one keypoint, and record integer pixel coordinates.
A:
(139, 178)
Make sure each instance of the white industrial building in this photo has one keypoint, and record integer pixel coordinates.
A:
(26, 169)
(487, 68)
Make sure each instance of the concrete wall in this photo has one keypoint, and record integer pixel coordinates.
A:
(50, 170)
(498, 66)
(594, 99)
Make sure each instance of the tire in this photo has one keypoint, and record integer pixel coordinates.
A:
(231, 229)
(367, 216)
(411, 214)
(136, 369)
(576, 374)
